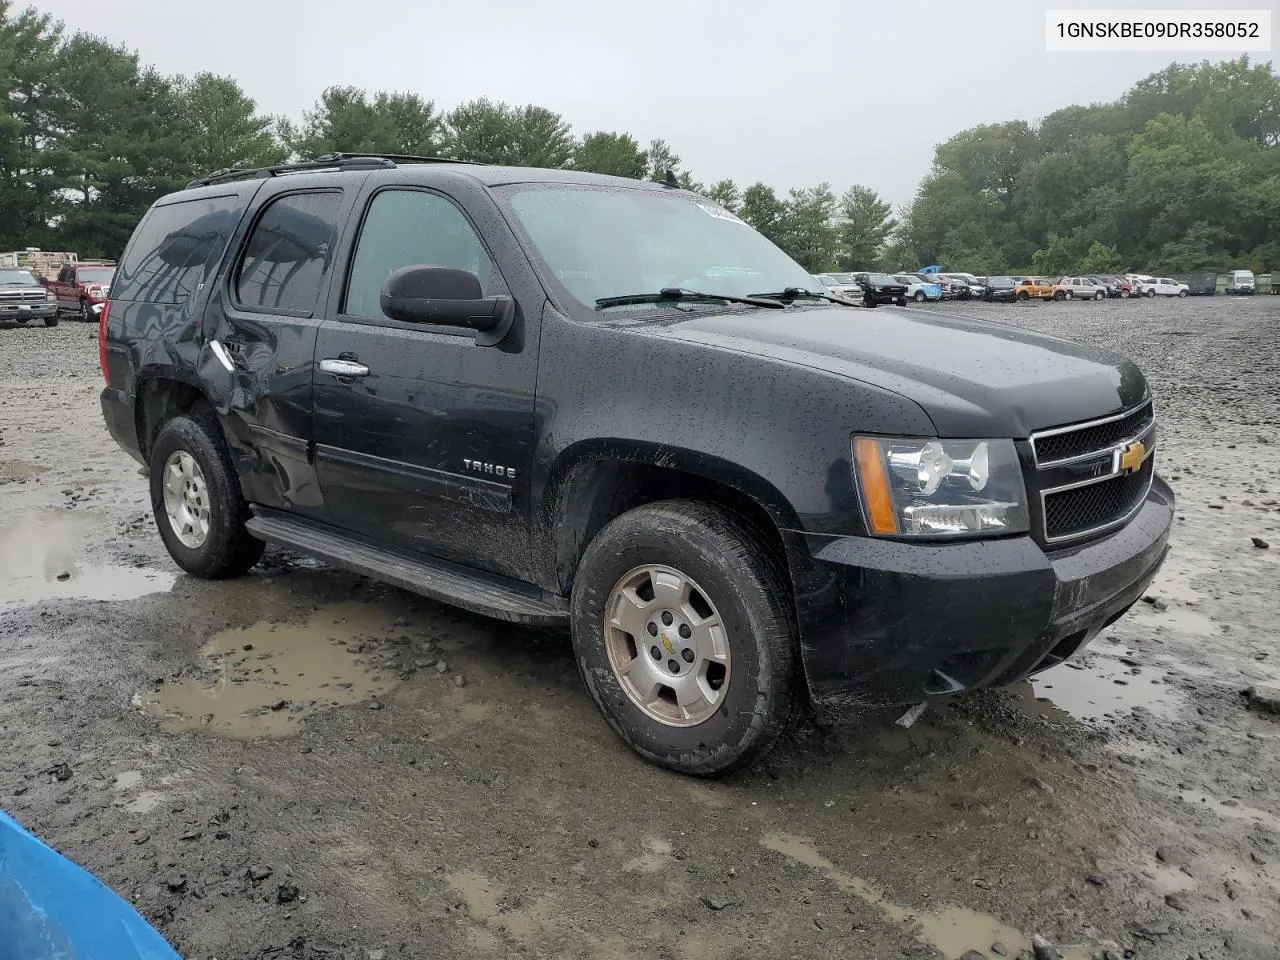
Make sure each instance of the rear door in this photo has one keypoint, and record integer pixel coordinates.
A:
(262, 324)
(428, 448)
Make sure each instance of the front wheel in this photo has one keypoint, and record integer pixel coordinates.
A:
(919, 296)
(901, 301)
(196, 499)
(51, 321)
(1100, 295)
(682, 631)
(86, 312)
(1150, 293)
(1023, 297)
(1182, 293)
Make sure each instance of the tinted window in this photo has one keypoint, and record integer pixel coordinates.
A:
(289, 252)
(174, 249)
(95, 274)
(412, 228)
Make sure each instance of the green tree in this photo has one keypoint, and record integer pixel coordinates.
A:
(222, 125)
(346, 120)
(492, 132)
(864, 222)
(762, 208)
(1100, 260)
(615, 154)
(725, 193)
(661, 158)
(808, 230)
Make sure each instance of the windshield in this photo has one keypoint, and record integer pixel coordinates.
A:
(20, 278)
(904, 278)
(95, 274)
(881, 278)
(610, 242)
(999, 281)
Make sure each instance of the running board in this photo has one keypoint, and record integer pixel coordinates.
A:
(450, 583)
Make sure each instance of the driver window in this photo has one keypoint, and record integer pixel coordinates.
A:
(413, 228)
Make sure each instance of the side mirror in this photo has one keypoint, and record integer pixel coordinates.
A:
(446, 297)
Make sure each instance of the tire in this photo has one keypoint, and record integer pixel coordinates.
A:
(716, 552)
(1024, 297)
(1100, 295)
(226, 548)
(1150, 293)
(85, 314)
(901, 301)
(51, 321)
(919, 296)
(1182, 293)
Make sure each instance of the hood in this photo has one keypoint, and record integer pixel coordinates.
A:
(974, 378)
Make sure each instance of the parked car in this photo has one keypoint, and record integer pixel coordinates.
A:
(425, 372)
(917, 289)
(952, 288)
(82, 288)
(23, 298)
(1117, 287)
(1084, 288)
(1241, 282)
(1162, 286)
(881, 288)
(976, 289)
(999, 288)
(841, 285)
(1033, 288)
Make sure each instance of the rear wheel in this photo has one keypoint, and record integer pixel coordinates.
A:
(683, 633)
(196, 500)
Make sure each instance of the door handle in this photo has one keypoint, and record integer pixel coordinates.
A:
(344, 369)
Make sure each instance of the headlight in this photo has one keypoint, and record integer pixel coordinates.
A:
(97, 309)
(940, 488)
(49, 295)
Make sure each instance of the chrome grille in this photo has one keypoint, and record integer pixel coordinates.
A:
(1085, 486)
(1067, 443)
(22, 296)
(1077, 511)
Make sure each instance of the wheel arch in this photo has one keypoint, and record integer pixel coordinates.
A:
(596, 481)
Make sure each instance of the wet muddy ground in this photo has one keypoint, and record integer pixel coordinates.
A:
(306, 764)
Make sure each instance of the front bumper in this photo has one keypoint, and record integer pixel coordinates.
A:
(886, 622)
(28, 311)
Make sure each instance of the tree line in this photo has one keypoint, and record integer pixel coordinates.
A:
(1180, 173)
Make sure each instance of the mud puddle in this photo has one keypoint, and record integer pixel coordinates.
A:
(1103, 686)
(12, 470)
(953, 931)
(43, 557)
(265, 679)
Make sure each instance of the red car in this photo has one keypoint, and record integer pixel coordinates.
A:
(82, 287)
(1116, 286)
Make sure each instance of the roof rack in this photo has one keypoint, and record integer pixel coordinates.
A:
(330, 161)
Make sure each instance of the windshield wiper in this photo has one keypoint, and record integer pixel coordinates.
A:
(799, 293)
(673, 294)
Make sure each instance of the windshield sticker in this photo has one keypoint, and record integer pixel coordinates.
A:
(720, 213)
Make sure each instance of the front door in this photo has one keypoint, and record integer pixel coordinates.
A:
(424, 439)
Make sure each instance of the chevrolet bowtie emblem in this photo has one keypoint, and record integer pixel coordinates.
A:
(1133, 457)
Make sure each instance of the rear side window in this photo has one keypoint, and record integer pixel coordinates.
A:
(410, 228)
(174, 250)
(289, 252)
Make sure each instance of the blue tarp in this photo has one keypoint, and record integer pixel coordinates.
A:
(932, 268)
(51, 909)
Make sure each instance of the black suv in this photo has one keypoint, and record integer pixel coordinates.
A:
(565, 399)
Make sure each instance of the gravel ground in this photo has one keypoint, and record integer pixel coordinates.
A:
(306, 764)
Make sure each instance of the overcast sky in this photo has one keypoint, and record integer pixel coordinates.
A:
(791, 93)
